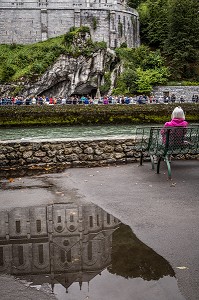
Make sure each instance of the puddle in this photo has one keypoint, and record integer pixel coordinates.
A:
(81, 252)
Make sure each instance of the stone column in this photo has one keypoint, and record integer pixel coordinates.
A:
(44, 24)
(77, 20)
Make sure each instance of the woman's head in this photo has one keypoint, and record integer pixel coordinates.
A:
(178, 113)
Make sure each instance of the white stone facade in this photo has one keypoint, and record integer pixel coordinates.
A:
(31, 21)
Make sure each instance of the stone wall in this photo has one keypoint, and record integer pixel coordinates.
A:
(25, 21)
(179, 91)
(68, 153)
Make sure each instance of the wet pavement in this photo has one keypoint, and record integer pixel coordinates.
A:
(101, 233)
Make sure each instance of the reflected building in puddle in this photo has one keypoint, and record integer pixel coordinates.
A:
(69, 243)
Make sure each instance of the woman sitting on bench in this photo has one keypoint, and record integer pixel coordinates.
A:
(177, 118)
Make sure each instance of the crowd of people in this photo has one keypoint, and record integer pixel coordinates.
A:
(75, 99)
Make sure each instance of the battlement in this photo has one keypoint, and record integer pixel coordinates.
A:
(119, 4)
(30, 21)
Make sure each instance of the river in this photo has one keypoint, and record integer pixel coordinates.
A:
(65, 132)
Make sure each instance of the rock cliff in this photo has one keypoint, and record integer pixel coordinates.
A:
(70, 75)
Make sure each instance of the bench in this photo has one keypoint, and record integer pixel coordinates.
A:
(162, 143)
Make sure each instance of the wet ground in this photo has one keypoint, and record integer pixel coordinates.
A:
(103, 233)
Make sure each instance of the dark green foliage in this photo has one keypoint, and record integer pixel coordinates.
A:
(154, 22)
(143, 69)
(173, 27)
(6, 73)
(182, 43)
(134, 3)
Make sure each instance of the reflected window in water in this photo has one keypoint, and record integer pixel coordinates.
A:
(108, 219)
(18, 226)
(41, 254)
(38, 222)
(1, 257)
(98, 220)
(90, 250)
(91, 221)
(71, 218)
(20, 255)
(62, 256)
(69, 256)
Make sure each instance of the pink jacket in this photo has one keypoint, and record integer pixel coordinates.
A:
(174, 137)
(176, 122)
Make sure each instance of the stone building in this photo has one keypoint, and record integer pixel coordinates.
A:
(31, 21)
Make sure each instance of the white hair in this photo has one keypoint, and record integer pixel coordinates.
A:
(178, 113)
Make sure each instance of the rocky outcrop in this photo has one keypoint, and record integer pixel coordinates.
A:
(69, 75)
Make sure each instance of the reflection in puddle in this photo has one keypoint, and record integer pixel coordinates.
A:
(69, 246)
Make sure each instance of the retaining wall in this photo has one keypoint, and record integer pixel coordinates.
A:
(69, 153)
(65, 153)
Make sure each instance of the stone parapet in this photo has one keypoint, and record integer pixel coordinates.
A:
(68, 153)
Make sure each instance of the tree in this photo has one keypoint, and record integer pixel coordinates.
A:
(134, 3)
(153, 22)
(143, 68)
(182, 43)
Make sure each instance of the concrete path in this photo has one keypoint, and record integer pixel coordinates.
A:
(162, 213)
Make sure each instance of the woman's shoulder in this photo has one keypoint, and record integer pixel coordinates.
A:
(167, 124)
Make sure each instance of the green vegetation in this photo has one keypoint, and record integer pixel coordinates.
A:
(173, 27)
(92, 114)
(94, 23)
(27, 62)
(169, 31)
(143, 68)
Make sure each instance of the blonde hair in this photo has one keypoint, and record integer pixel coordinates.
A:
(178, 113)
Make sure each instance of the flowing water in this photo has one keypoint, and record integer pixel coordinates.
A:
(66, 132)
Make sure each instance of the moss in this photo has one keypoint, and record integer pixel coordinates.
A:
(92, 114)
(107, 83)
(94, 21)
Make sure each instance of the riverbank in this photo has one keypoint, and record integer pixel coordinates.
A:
(70, 115)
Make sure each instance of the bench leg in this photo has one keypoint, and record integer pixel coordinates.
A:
(152, 161)
(141, 158)
(168, 166)
(158, 165)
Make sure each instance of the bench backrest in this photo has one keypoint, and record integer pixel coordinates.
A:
(176, 140)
